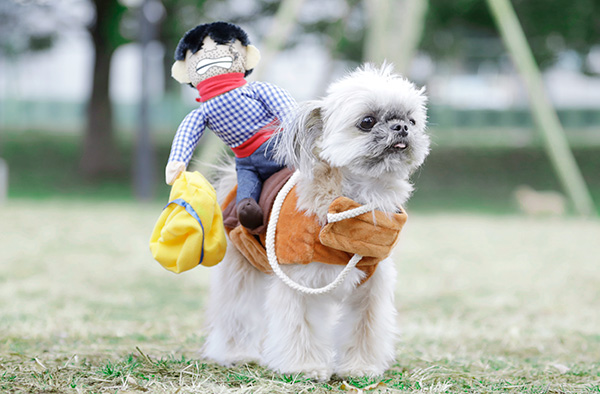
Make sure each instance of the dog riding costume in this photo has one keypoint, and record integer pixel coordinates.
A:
(215, 58)
(189, 231)
(302, 240)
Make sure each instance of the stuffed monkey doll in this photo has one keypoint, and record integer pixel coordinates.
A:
(214, 58)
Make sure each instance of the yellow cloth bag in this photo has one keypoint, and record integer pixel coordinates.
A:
(189, 231)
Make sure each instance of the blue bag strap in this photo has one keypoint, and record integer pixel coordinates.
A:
(188, 208)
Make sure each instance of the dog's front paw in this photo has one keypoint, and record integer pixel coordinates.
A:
(228, 356)
(321, 375)
(359, 371)
(315, 373)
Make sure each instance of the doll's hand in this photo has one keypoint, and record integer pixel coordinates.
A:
(172, 171)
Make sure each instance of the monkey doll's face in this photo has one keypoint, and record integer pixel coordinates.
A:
(215, 59)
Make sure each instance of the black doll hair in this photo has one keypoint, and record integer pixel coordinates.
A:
(221, 32)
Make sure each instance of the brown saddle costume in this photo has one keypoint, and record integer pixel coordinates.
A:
(300, 239)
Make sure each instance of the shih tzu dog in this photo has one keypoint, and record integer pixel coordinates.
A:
(363, 140)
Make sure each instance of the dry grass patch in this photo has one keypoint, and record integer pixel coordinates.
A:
(487, 304)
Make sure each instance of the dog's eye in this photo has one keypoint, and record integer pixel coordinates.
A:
(412, 122)
(367, 123)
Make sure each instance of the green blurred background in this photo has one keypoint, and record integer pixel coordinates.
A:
(71, 90)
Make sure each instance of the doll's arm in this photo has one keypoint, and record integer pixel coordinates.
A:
(276, 99)
(185, 141)
(172, 171)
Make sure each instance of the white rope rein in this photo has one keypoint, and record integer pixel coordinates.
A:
(272, 257)
(338, 217)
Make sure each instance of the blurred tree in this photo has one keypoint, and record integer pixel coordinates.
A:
(100, 154)
(465, 29)
(31, 26)
(27, 25)
(551, 27)
(116, 24)
(21, 30)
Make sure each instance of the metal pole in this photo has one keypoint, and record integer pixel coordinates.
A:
(3, 181)
(543, 113)
(144, 165)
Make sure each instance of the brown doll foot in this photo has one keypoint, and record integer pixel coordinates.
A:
(249, 213)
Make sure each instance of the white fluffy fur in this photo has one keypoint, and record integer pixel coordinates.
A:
(351, 331)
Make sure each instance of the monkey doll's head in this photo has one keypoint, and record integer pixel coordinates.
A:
(213, 49)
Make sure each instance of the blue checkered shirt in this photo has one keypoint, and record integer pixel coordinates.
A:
(233, 116)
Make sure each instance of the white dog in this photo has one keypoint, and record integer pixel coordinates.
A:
(362, 141)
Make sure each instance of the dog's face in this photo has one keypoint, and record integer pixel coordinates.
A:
(371, 123)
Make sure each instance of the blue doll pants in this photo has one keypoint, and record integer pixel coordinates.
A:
(253, 170)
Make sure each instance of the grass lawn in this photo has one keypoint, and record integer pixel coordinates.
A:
(487, 304)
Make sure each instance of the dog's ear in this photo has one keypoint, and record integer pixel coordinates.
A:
(296, 140)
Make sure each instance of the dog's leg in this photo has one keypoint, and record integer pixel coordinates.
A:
(234, 316)
(299, 326)
(366, 333)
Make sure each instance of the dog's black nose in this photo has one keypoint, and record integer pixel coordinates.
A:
(400, 127)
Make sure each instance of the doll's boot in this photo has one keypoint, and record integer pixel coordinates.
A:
(249, 213)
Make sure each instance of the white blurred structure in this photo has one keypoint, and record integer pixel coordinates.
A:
(540, 202)
(63, 73)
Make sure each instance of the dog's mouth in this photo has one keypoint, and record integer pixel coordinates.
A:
(399, 146)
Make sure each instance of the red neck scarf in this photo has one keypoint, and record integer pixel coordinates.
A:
(219, 84)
